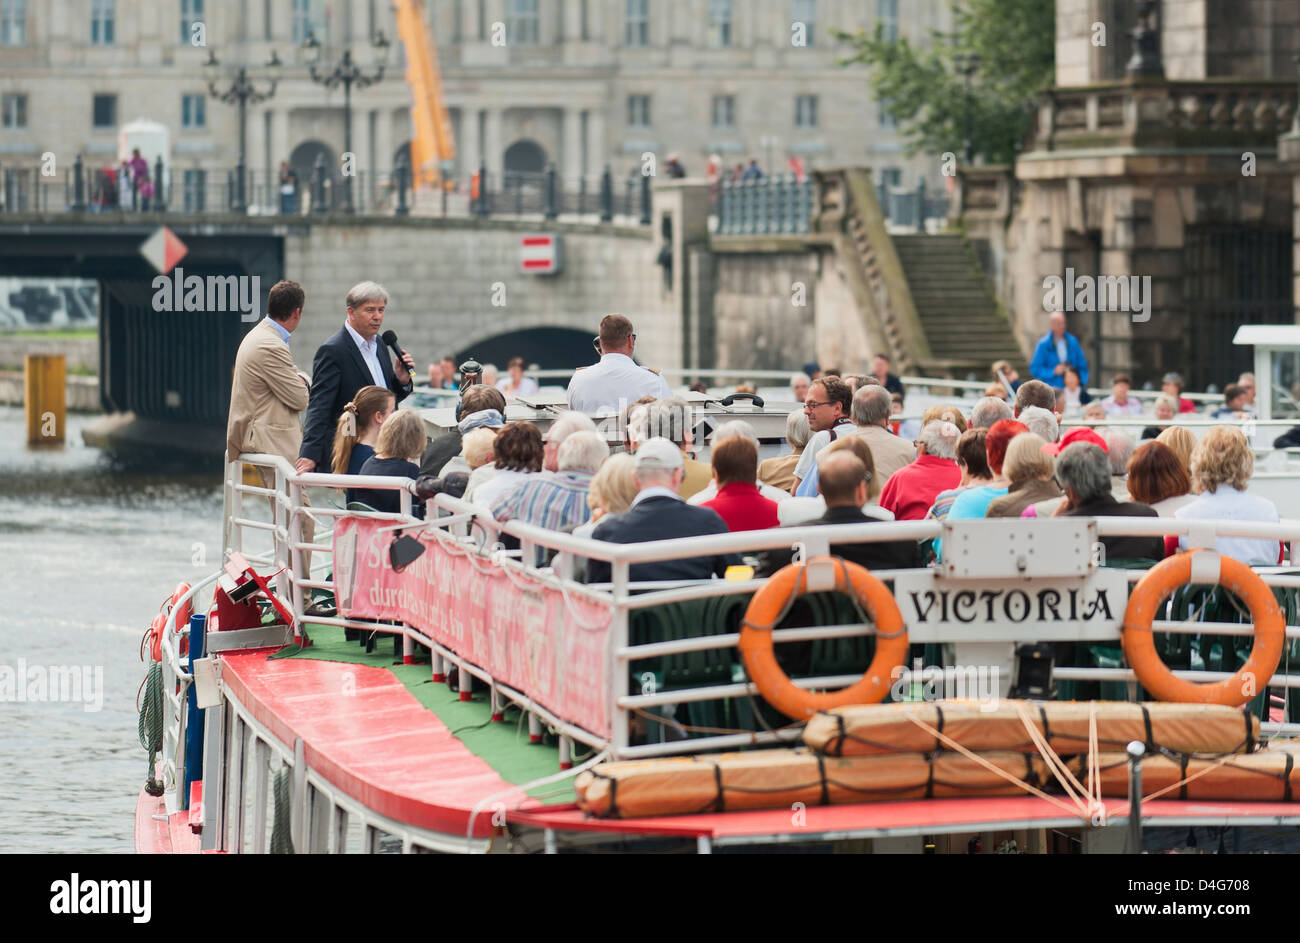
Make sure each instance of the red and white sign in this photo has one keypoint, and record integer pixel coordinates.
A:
(526, 634)
(540, 254)
(163, 250)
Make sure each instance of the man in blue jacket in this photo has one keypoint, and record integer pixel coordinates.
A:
(1057, 349)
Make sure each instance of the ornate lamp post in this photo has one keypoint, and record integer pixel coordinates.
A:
(966, 64)
(346, 73)
(241, 92)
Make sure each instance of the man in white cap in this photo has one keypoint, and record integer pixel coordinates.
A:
(659, 513)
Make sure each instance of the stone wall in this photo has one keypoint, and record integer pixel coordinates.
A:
(442, 276)
(757, 321)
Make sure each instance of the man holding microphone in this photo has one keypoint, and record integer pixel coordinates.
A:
(350, 359)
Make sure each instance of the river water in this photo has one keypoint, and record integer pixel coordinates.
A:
(88, 550)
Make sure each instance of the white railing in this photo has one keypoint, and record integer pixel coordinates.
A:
(469, 528)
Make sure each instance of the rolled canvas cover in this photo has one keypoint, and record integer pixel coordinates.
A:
(1271, 774)
(885, 728)
(777, 778)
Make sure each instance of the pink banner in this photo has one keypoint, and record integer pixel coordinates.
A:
(524, 633)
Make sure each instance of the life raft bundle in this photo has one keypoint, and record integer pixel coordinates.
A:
(1272, 774)
(777, 778)
(869, 729)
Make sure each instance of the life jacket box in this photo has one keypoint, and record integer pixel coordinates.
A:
(1271, 775)
(996, 724)
(777, 778)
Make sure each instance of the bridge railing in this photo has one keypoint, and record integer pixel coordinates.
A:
(35, 187)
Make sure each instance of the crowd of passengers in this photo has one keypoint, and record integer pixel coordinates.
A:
(845, 465)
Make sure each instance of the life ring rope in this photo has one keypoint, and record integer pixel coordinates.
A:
(1199, 566)
(773, 602)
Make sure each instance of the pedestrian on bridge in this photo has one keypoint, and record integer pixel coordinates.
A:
(1056, 350)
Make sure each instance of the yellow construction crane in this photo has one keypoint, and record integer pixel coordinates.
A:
(432, 145)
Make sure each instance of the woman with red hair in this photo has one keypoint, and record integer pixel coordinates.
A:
(974, 502)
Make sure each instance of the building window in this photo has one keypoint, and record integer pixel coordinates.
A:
(638, 22)
(724, 112)
(193, 113)
(805, 12)
(719, 23)
(884, 118)
(638, 111)
(194, 187)
(104, 109)
(308, 21)
(102, 14)
(191, 13)
(14, 110)
(887, 15)
(522, 22)
(805, 111)
(13, 22)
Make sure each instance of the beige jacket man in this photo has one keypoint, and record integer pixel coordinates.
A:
(267, 395)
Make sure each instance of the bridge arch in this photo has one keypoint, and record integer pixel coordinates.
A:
(551, 348)
(524, 157)
(303, 161)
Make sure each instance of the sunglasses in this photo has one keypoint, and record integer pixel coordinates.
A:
(595, 342)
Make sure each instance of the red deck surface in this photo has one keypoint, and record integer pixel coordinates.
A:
(911, 816)
(381, 746)
(395, 756)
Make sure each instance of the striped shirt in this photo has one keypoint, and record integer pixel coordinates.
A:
(554, 500)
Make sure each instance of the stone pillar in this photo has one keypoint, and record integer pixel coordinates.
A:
(261, 188)
(467, 142)
(572, 21)
(493, 146)
(597, 154)
(686, 202)
(281, 146)
(570, 164)
(384, 143)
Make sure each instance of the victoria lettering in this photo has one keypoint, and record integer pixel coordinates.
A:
(1011, 605)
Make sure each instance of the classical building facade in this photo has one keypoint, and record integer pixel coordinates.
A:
(1155, 158)
(578, 83)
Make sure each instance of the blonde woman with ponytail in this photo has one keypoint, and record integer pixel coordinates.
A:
(358, 429)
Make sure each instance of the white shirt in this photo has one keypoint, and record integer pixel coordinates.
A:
(710, 491)
(500, 484)
(527, 387)
(655, 491)
(1229, 504)
(818, 442)
(613, 383)
(370, 354)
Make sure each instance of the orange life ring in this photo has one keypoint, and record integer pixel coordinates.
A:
(766, 609)
(1139, 641)
(159, 625)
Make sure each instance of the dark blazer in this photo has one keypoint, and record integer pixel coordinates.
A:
(337, 372)
(880, 555)
(662, 518)
(1147, 548)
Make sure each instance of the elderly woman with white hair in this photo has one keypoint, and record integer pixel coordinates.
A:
(1030, 474)
(911, 490)
(778, 471)
(1222, 464)
(727, 429)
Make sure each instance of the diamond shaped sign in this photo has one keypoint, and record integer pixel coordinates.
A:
(163, 250)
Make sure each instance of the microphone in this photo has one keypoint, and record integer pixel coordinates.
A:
(390, 338)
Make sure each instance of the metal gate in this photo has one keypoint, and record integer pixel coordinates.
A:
(1232, 277)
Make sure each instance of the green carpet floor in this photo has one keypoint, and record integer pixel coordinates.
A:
(503, 746)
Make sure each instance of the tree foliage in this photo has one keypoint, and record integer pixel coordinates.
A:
(921, 87)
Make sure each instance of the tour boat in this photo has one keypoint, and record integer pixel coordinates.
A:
(512, 699)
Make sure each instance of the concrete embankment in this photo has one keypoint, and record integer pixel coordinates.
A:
(82, 355)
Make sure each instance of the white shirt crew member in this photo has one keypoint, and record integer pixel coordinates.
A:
(612, 383)
(370, 354)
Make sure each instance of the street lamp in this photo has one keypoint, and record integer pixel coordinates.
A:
(346, 73)
(966, 64)
(243, 92)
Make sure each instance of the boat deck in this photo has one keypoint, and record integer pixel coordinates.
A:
(412, 751)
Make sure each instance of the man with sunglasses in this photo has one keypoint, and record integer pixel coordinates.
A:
(827, 409)
(616, 379)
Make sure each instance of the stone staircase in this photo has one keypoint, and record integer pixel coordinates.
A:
(955, 304)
